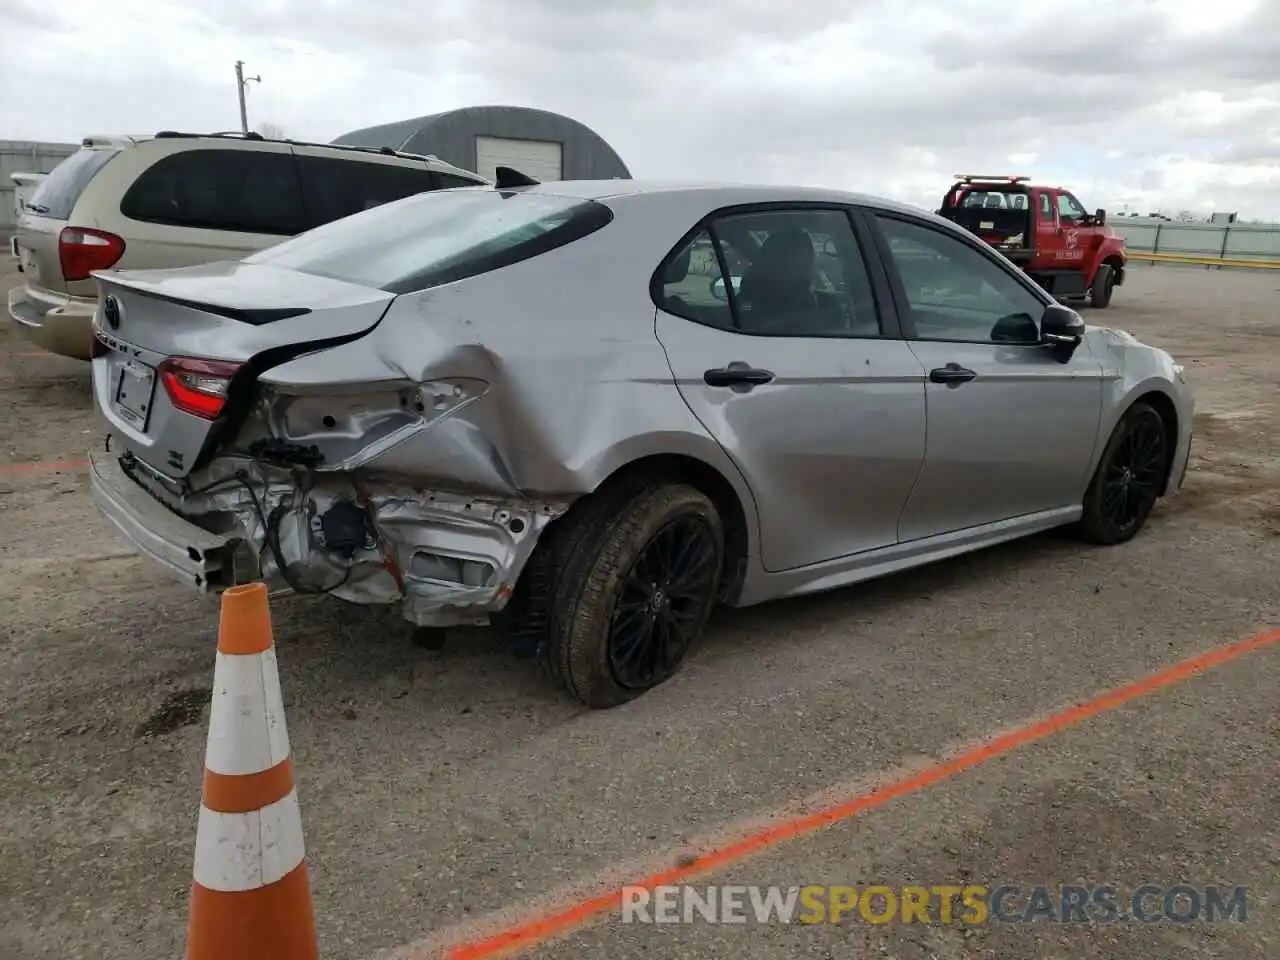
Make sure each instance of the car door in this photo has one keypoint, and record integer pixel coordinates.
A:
(1073, 230)
(795, 366)
(1010, 428)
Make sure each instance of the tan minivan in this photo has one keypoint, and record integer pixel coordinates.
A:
(176, 199)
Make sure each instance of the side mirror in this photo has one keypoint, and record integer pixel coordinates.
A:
(717, 287)
(1100, 217)
(1061, 329)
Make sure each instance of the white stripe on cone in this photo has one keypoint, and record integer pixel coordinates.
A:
(236, 852)
(247, 732)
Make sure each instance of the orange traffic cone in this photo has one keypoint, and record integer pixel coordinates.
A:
(251, 897)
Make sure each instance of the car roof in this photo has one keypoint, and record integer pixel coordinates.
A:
(121, 141)
(736, 193)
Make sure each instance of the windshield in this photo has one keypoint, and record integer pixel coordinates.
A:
(438, 237)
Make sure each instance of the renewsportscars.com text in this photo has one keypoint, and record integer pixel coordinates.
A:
(938, 904)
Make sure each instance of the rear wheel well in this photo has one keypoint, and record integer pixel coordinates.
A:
(678, 468)
(1162, 405)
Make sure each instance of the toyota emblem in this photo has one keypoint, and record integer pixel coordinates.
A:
(111, 313)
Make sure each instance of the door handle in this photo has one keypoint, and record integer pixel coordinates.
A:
(952, 375)
(738, 376)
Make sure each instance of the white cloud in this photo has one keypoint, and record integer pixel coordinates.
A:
(1150, 103)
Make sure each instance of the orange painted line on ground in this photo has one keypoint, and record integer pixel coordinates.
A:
(45, 466)
(557, 924)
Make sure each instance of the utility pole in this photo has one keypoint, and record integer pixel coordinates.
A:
(242, 84)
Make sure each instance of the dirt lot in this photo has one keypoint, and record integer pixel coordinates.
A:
(438, 787)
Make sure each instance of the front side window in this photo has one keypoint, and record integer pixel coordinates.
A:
(237, 190)
(797, 273)
(955, 292)
(1069, 207)
(438, 237)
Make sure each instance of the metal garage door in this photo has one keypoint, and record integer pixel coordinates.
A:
(540, 159)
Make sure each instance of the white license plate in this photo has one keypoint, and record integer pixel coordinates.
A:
(134, 389)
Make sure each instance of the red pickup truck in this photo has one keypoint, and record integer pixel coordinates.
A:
(1074, 255)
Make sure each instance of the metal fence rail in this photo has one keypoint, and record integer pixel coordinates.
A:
(1250, 245)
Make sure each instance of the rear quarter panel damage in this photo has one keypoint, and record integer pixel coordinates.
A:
(477, 412)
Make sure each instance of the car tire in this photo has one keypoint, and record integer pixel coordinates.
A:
(594, 566)
(1104, 283)
(1128, 478)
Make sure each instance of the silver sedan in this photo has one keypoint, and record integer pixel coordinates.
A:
(586, 412)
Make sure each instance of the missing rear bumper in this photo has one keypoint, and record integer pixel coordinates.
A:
(445, 558)
(190, 553)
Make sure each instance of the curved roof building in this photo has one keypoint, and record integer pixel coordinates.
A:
(544, 145)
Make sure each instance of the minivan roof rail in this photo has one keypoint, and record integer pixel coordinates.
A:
(257, 137)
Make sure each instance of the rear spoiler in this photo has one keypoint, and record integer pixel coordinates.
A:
(137, 282)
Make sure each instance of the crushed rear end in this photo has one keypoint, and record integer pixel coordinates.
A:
(261, 429)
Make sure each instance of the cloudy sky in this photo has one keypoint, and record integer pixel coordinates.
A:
(1137, 104)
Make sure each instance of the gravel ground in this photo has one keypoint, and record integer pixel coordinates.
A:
(438, 787)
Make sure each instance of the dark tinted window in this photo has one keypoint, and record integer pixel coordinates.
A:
(448, 180)
(241, 190)
(691, 284)
(797, 273)
(956, 292)
(438, 237)
(333, 189)
(57, 193)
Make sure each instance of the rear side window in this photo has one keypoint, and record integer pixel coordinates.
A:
(449, 180)
(333, 189)
(439, 237)
(236, 190)
(58, 192)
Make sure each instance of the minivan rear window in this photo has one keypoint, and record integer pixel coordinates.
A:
(434, 238)
(58, 192)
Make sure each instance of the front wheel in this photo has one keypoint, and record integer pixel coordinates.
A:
(1104, 283)
(1128, 479)
(634, 592)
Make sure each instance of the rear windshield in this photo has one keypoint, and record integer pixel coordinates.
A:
(995, 200)
(58, 192)
(433, 238)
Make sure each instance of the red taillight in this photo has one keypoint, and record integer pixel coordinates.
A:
(197, 387)
(82, 251)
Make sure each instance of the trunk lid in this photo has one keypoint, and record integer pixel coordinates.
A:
(40, 228)
(178, 352)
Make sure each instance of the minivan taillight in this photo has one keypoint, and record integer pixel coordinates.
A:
(81, 251)
(197, 387)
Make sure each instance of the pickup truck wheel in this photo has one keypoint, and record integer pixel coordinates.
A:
(638, 574)
(1104, 281)
(1127, 481)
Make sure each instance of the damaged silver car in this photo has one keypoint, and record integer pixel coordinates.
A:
(588, 411)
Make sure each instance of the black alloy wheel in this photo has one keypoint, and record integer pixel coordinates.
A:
(661, 603)
(1134, 475)
(629, 578)
(1129, 478)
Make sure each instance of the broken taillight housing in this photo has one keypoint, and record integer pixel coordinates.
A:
(81, 251)
(198, 387)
